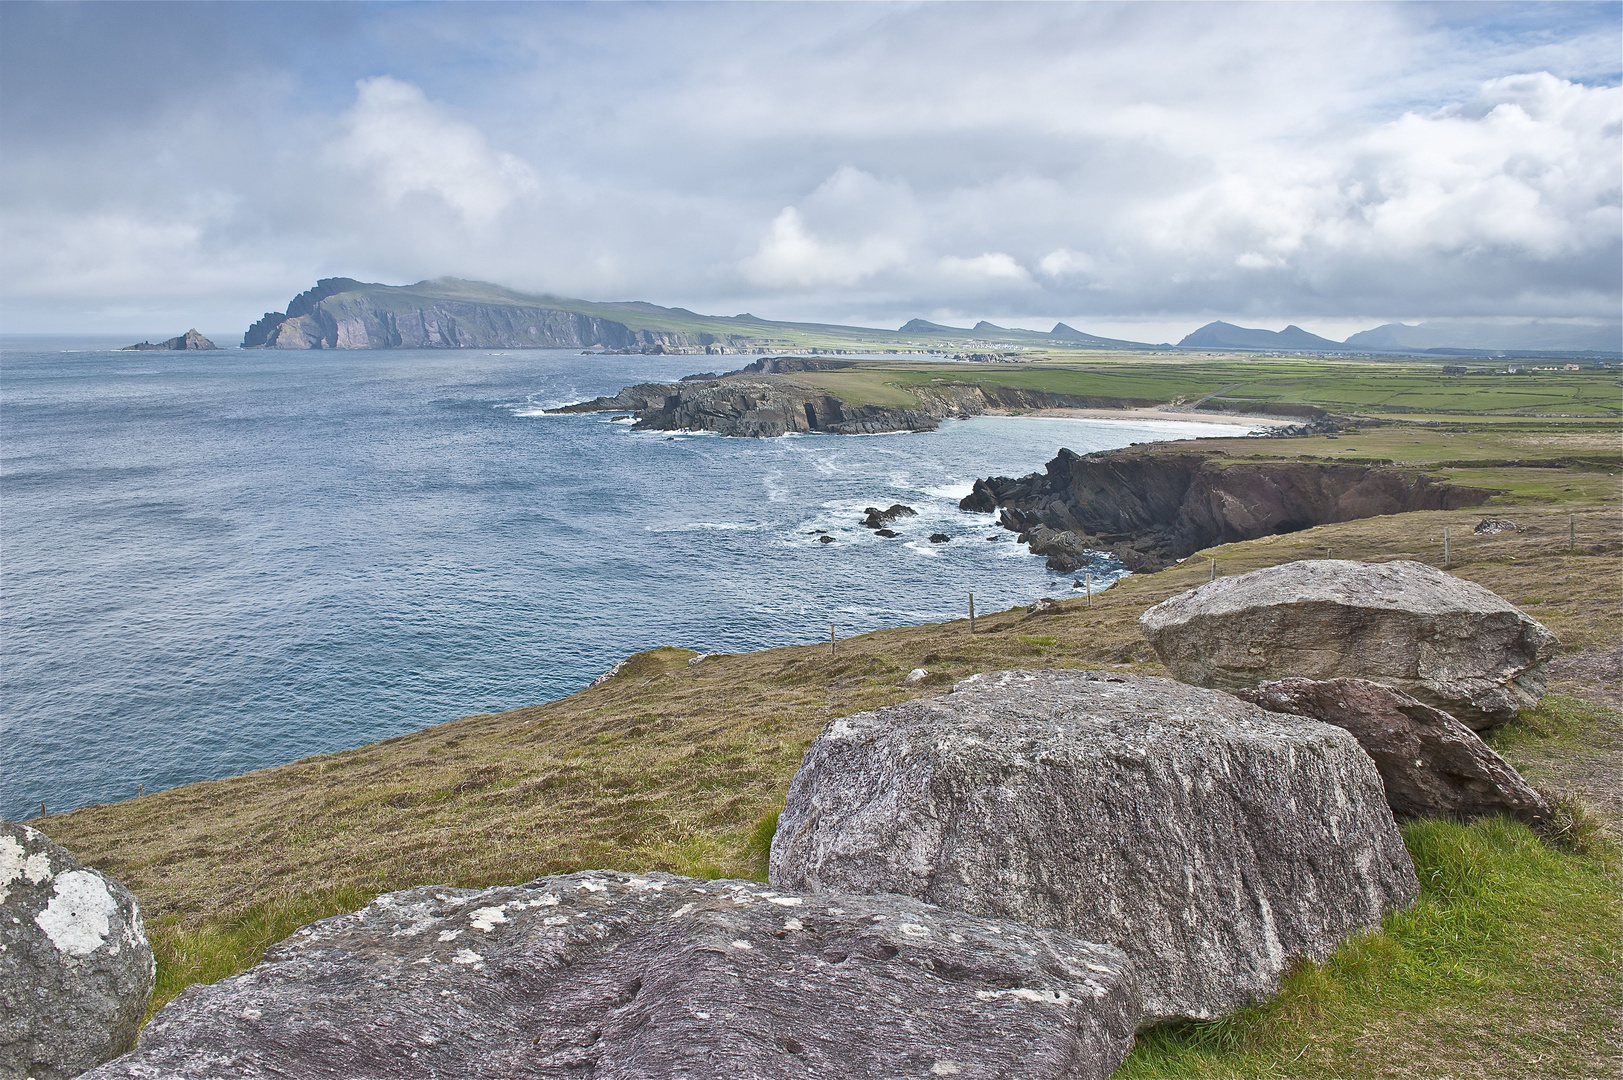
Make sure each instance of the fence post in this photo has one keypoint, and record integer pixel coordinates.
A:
(1087, 583)
(1572, 532)
(971, 613)
(1446, 558)
(1213, 576)
(831, 639)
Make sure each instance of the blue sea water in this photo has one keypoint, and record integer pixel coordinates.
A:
(214, 562)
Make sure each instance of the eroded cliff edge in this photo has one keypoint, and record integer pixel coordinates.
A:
(1150, 509)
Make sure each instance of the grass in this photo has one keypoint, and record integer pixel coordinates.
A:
(1492, 973)
(683, 767)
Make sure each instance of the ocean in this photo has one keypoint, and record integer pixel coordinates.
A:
(216, 562)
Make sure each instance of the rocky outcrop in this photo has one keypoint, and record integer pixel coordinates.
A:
(759, 406)
(621, 977)
(1209, 839)
(76, 970)
(190, 340)
(877, 519)
(1431, 764)
(1150, 509)
(1449, 642)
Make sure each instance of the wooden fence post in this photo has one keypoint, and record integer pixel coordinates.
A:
(971, 613)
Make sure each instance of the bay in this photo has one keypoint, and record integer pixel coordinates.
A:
(217, 562)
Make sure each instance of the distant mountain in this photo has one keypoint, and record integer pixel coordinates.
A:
(1222, 335)
(450, 313)
(1532, 336)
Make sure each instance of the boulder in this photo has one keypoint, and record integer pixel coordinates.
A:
(1212, 841)
(940, 538)
(76, 971)
(876, 517)
(1431, 764)
(621, 977)
(1449, 642)
(888, 534)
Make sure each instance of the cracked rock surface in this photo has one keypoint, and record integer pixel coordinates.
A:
(1211, 840)
(609, 975)
(1451, 643)
(76, 970)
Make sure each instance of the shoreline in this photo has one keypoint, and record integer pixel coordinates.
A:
(1157, 412)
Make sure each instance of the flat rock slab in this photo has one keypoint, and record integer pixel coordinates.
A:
(1211, 840)
(608, 975)
(1448, 642)
(76, 970)
(1431, 764)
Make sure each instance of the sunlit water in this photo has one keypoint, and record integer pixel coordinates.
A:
(213, 562)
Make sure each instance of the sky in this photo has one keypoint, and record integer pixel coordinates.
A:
(1131, 169)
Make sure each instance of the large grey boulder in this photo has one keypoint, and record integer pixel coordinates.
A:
(76, 971)
(621, 977)
(1211, 840)
(1449, 642)
(1431, 764)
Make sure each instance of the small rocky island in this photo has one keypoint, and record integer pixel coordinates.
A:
(188, 341)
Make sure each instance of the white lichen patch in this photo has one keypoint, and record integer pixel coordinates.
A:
(683, 910)
(794, 924)
(467, 956)
(449, 935)
(914, 930)
(742, 945)
(555, 920)
(14, 864)
(592, 887)
(945, 1068)
(80, 914)
(1025, 993)
(785, 901)
(486, 918)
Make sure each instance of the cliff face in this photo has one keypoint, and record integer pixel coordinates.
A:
(758, 406)
(1152, 509)
(341, 313)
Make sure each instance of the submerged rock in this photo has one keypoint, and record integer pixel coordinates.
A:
(621, 977)
(1211, 840)
(1449, 642)
(76, 970)
(1431, 764)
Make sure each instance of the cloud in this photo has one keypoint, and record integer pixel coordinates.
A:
(1125, 164)
(404, 145)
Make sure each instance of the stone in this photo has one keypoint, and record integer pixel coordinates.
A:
(888, 534)
(1494, 526)
(608, 676)
(918, 674)
(1452, 643)
(1431, 764)
(621, 977)
(825, 539)
(1043, 606)
(875, 517)
(940, 538)
(1210, 840)
(76, 970)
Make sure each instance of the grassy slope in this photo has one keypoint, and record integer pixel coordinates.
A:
(1511, 955)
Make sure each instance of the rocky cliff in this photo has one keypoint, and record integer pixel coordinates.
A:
(342, 313)
(1150, 509)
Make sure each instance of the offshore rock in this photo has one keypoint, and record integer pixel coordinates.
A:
(190, 340)
(1210, 840)
(620, 977)
(1150, 508)
(1449, 642)
(76, 971)
(876, 518)
(1431, 764)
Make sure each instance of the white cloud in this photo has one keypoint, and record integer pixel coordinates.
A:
(406, 145)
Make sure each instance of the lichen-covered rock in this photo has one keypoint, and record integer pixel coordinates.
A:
(75, 968)
(620, 977)
(1431, 764)
(1211, 840)
(1451, 643)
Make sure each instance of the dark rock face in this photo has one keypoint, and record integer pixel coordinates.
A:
(1210, 840)
(1150, 509)
(617, 977)
(876, 518)
(1431, 764)
(888, 534)
(758, 406)
(940, 538)
(190, 340)
(76, 971)
(1449, 642)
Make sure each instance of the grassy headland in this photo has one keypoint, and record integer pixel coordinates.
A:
(1508, 966)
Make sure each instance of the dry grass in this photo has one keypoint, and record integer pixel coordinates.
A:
(682, 767)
